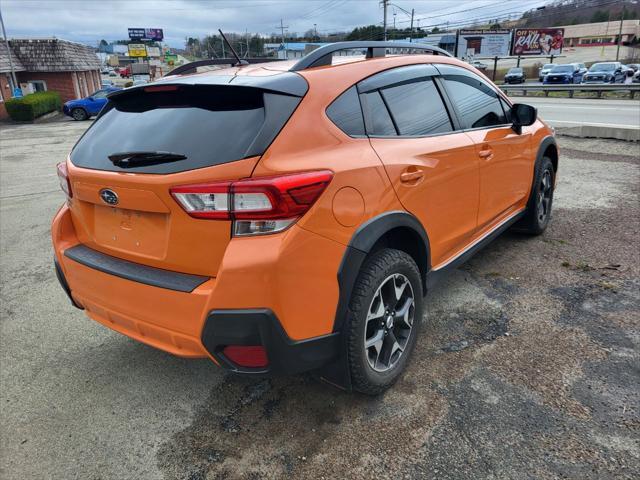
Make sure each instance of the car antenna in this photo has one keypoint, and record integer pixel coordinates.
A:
(235, 54)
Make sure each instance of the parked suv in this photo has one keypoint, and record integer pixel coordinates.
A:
(285, 217)
(604, 72)
(565, 73)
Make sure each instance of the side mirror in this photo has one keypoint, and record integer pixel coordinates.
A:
(522, 116)
(91, 98)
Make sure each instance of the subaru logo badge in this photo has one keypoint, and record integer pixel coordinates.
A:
(108, 196)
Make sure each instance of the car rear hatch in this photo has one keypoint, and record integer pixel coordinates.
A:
(150, 139)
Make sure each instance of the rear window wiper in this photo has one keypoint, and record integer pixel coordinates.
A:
(135, 159)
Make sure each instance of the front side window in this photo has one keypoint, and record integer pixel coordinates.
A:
(477, 104)
(417, 108)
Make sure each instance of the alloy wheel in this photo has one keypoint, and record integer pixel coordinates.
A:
(389, 322)
(545, 191)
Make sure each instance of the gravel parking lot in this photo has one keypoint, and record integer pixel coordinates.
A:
(529, 365)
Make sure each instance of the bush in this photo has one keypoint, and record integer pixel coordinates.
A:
(33, 105)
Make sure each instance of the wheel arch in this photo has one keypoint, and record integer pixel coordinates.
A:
(395, 229)
(549, 148)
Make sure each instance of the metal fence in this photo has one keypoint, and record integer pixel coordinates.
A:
(599, 89)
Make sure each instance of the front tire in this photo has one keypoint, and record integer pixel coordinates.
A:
(385, 313)
(79, 114)
(538, 212)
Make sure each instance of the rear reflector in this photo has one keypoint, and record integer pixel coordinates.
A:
(257, 205)
(63, 178)
(249, 356)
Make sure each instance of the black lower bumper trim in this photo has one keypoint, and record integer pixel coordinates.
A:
(64, 284)
(261, 327)
(156, 277)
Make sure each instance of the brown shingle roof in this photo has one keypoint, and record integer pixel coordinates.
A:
(53, 55)
(4, 60)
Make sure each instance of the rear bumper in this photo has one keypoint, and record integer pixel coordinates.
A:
(194, 316)
(261, 327)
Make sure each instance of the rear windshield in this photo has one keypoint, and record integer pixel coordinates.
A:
(209, 125)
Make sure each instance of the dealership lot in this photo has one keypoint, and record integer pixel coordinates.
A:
(527, 367)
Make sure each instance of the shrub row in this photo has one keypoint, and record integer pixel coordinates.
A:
(33, 105)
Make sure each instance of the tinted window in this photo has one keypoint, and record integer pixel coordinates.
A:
(379, 121)
(417, 108)
(346, 113)
(210, 125)
(477, 104)
(100, 94)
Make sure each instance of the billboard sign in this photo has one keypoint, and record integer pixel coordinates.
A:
(153, 52)
(537, 41)
(137, 50)
(148, 34)
(483, 43)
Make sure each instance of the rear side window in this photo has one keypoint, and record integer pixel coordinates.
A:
(379, 121)
(346, 113)
(417, 108)
(208, 124)
(477, 104)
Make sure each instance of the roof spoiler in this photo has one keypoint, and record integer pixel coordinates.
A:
(192, 67)
(322, 56)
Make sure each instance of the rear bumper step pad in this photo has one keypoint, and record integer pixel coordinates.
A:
(156, 277)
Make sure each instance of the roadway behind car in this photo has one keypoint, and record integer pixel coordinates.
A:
(568, 112)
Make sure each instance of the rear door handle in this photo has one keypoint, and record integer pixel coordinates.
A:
(408, 177)
(486, 153)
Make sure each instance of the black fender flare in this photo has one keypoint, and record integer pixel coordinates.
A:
(361, 243)
(544, 144)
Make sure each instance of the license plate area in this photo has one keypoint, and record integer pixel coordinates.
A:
(131, 231)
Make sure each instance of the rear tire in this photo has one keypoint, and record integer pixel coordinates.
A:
(538, 212)
(79, 114)
(385, 313)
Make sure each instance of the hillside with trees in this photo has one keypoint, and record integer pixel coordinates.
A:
(572, 12)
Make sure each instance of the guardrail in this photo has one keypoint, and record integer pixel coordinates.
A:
(632, 88)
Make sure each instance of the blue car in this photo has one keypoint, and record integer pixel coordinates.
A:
(89, 106)
(564, 74)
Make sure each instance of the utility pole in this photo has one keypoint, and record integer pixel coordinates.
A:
(413, 11)
(384, 7)
(282, 27)
(246, 34)
(620, 34)
(315, 30)
(13, 72)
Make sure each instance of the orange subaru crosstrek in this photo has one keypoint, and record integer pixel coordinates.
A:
(291, 216)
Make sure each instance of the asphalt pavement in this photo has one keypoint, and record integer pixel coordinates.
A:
(527, 366)
(570, 112)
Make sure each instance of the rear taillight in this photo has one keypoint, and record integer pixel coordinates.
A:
(256, 205)
(63, 178)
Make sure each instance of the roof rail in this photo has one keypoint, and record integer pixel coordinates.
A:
(192, 67)
(322, 56)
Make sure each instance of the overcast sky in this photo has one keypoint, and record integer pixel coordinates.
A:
(88, 21)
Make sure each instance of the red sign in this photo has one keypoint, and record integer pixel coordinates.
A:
(537, 41)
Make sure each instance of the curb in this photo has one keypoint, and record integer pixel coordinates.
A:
(628, 134)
